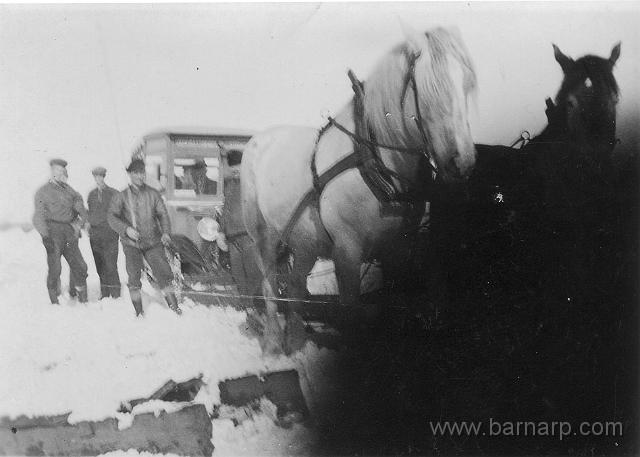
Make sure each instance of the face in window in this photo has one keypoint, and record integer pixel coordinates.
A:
(203, 184)
(195, 177)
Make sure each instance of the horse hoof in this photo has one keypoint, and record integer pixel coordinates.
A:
(272, 344)
(296, 335)
(272, 348)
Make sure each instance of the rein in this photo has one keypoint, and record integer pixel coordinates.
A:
(375, 144)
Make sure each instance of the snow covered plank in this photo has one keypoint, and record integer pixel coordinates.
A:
(170, 391)
(184, 432)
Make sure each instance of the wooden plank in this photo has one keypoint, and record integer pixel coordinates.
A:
(282, 388)
(184, 432)
(170, 391)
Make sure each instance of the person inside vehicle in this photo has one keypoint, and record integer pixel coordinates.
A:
(184, 182)
(202, 183)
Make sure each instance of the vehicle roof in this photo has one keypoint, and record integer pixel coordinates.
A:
(218, 132)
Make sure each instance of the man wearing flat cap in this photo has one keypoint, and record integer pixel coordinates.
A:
(203, 184)
(103, 239)
(57, 207)
(138, 214)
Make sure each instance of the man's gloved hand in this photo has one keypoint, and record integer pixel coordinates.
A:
(166, 239)
(221, 241)
(133, 233)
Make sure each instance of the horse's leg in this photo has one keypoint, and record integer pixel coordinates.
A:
(347, 259)
(347, 264)
(273, 334)
(265, 257)
(267, 247)
(295, 334)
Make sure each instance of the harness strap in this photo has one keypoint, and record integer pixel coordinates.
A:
(319, 183)
(237, 235)
(359, 139)
(372, 169)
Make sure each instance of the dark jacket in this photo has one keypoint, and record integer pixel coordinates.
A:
(57, 202)
(232, 220)
(142, 209)
(206, 187)
(98, 202)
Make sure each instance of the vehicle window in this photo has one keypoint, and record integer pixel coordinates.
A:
(156, 173)
(194, 177)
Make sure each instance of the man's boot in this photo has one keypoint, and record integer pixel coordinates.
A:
(73, 292)
(104, 291)
(53, 296)
(136, 299)
(172, 301)
(82, 294)
(114, 291)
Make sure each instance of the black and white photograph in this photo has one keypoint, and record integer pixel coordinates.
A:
(319, 229)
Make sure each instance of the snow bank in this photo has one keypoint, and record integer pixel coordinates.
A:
(87, 359)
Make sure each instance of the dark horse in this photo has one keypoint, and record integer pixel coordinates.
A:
(549, 195)
(540, 318)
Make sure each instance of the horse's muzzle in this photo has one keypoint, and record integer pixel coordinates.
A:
(455, 171)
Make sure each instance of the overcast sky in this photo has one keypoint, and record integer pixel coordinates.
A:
(86, 82)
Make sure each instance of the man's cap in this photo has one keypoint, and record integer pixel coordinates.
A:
(234, 157)
(136, 166)
(200, 163)
(99, 171)
(60, 162)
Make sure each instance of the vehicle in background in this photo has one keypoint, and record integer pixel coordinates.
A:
(188, 169)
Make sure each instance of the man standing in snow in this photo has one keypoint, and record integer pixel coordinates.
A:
(104, 241)
(140, 217)
(57, 207)
(244, 266)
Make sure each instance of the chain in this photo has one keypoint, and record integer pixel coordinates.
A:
(283, 299)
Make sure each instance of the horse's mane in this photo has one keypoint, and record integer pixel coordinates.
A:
(383, 89)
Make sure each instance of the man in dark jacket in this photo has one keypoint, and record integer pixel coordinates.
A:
(57, 207)
(140, 217)
(244, 267)
(203, 185)
(104, 241)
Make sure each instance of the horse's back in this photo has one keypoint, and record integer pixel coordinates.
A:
(276, 172)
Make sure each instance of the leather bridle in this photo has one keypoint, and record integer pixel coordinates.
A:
(426, 148)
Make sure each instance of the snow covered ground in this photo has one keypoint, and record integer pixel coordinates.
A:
(87, 359)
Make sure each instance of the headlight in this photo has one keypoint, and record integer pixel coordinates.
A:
(208, 228)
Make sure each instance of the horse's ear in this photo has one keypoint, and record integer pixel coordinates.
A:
(615, 54)
(564, 61)
(416, 41)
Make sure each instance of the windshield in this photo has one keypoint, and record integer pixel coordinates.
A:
(194, 177)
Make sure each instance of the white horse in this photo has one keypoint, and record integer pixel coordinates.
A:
(415, 100)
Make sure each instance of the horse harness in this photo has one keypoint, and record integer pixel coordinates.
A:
(378, 177)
